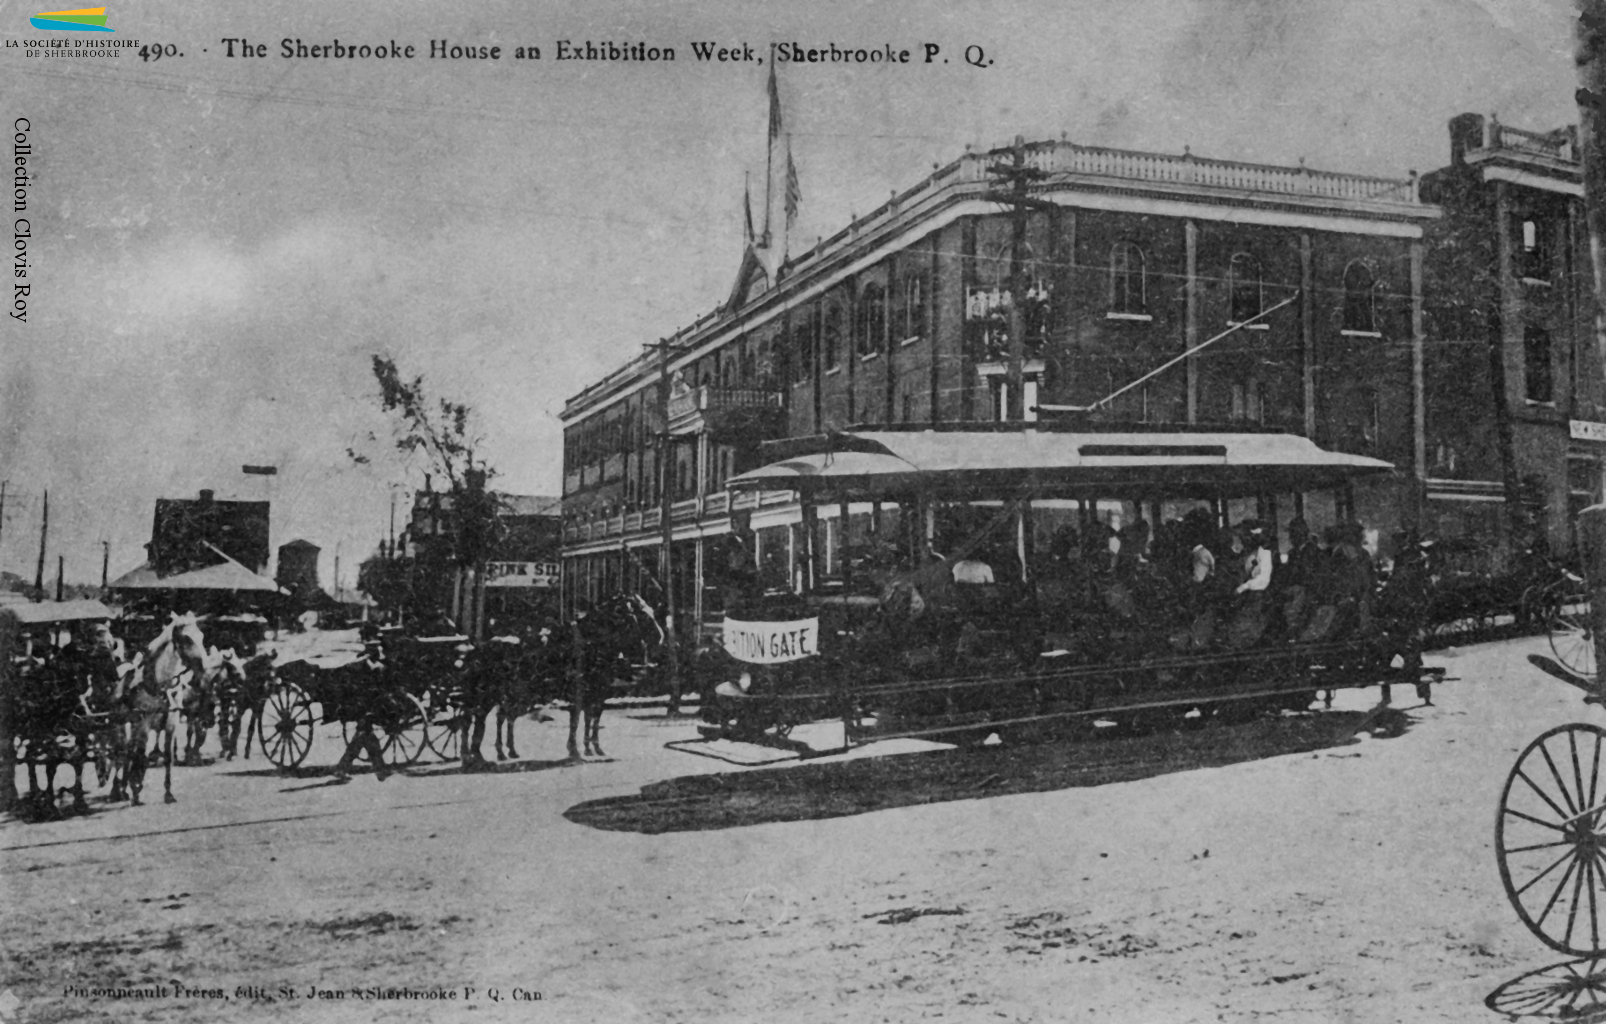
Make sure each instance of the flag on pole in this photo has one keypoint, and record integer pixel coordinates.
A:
(794, 192)
(775, 107)
(747, 209)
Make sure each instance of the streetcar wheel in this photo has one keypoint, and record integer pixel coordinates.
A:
(1572, 641)
(404, 741)
(1550, 838)
(286, 727)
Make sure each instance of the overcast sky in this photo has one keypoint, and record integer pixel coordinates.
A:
(220, 245)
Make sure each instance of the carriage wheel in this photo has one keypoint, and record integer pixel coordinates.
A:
(1574, 990)
(286, 726)
(1572, 641)
(1550, 838)
(404, 741)
(445, 735)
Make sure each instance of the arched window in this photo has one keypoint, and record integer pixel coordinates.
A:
(1128, 279)
(831, 338)
(1245, 298)
(872, 326)
(1360, 299)
(910, 320)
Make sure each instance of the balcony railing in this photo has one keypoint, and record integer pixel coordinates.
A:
(633, 524)
(708, 398)
(1559, 146)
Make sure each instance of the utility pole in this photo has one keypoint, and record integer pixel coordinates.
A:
(105, 561)
(3, 509)
(61, 575)
(666, 512)
(1590, 58)
(1018, 177)
(44, 531)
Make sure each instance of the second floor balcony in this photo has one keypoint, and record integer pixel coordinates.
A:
(728, 415)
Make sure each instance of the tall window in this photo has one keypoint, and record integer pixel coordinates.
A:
(872, 327)
(909, 321)
(1360, 299)
(1536, 363)
(1246, 293)
(831, 338)
(1128, 272)
(1533, 260)
(802, 351)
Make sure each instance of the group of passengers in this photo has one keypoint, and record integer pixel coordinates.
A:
(1203, 585)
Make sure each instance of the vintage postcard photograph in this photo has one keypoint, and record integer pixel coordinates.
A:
(869, 511)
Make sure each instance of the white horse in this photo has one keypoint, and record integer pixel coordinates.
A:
(172, 669)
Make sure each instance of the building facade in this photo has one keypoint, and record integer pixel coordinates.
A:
(1290, 299)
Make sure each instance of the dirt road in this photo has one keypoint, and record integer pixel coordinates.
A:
(1326, 883)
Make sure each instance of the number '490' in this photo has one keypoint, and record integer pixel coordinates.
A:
(158, 51)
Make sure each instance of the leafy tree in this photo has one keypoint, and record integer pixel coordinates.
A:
(441, 433)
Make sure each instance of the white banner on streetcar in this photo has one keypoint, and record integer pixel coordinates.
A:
(772, 643)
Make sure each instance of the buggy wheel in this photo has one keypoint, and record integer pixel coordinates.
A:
(286, 726)
(444, 735)
(404, 741)
(1572, 641)
(1572, 990)
(1549, 838)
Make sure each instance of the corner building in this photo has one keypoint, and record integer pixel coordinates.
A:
(1320, 282)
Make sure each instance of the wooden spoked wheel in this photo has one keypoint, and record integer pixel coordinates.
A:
(1550, 838)
(404, 741)
(286, 726)
(446, 719)
(1573, 991)
(1572, 640)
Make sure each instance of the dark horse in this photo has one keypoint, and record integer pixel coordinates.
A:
(584, 663)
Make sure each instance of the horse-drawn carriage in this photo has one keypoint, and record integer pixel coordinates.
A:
(971, 581)
(46, 716)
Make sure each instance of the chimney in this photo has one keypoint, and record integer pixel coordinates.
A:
(206, 494)
(1466, 132)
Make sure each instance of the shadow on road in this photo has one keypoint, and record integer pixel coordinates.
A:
(843, 788)
(1558, 671)
(1573, 991)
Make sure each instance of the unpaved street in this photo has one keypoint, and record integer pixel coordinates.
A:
(1338, 883)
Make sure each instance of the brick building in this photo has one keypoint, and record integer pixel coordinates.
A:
(1327, 287)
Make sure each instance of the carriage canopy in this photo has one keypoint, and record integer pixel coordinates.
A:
(1054, 463)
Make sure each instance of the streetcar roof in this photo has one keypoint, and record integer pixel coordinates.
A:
(55, 611)
(868, 463)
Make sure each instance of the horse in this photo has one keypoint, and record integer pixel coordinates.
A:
(516, 675)
(242, 688)
(172, 668)
(608, 646)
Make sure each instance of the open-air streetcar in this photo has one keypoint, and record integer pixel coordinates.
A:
(970, 581)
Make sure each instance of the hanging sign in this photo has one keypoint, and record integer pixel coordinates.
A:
(772, 643)
(521, 574)
(1586, 430)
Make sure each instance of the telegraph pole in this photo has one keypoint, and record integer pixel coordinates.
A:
(44, 532)
(666, 513)
(1018, 178)
(105, 561)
